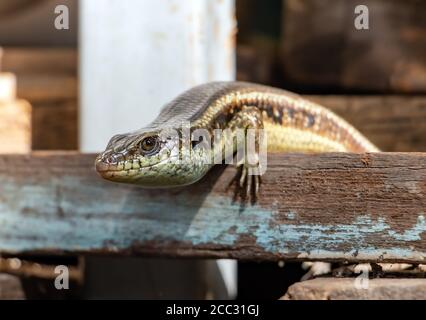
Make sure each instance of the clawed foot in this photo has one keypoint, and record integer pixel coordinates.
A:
(247, 182)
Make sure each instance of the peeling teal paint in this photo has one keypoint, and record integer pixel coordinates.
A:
(138, 217)
(413, 233)
(367, 253)
(275, 239)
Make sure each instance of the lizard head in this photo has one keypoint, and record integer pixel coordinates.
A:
(149, 157)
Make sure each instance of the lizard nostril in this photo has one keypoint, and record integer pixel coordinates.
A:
(115, 158)
(111, 158)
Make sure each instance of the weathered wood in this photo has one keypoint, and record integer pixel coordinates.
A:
(345, 289)
(355, 207)
(393, 123)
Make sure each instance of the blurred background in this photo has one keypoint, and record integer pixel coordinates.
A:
(113, 64)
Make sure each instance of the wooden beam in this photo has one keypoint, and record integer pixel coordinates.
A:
(42, 88)
(392, 122)
(332, 52)
(336, 206)
(28, 60)
(349, 289)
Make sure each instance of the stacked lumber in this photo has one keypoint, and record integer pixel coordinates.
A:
(47, 78)
(15, 133)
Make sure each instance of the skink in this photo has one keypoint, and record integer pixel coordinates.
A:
(158, 156)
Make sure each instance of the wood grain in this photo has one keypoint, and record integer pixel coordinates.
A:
(27, 60)
(345, 289)
(47, 88)
(393, 123)
(337, 207)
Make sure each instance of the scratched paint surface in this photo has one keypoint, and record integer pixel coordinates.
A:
(70, 211)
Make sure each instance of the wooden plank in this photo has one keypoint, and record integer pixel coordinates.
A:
(345, 289)
(40, 60)
(38, 88)
(337, 207)
(15, 127)
(393, 123)
(27, 269)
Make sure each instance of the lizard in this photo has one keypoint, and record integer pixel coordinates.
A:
(159, 156)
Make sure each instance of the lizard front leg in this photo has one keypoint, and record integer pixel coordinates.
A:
(247, 123)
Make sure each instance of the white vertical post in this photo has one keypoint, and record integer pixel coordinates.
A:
(136, 55)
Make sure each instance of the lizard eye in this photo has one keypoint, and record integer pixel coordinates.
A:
(149, 145)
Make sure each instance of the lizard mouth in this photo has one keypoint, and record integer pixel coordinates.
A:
(107, 170)
(117, 171)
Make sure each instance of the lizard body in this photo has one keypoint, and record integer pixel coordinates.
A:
(152, 156)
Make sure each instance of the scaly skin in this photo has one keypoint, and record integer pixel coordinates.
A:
(291, 123)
